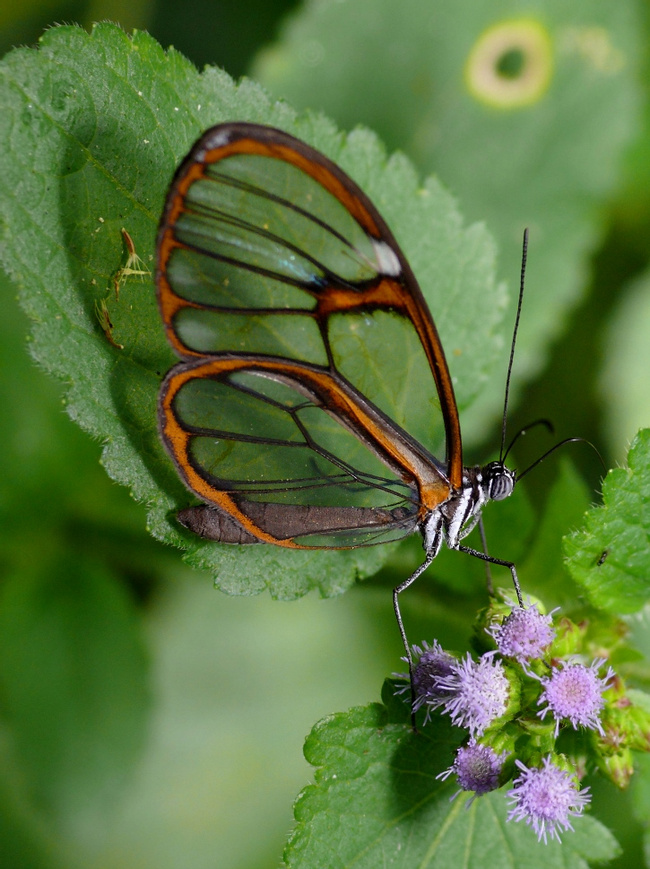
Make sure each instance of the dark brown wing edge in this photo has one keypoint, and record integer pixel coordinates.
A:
(287, 521)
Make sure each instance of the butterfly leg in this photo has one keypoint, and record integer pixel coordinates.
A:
(488, 572)
(400, 624)
(513, 570)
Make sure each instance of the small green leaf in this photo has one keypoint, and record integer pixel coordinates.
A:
(94, 127)
(376, 800)
(610, 557)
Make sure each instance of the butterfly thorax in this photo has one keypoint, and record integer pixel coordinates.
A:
(458, 515)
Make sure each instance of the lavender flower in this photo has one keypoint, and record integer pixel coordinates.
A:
(432, 663)
(475, 693)
(524, 634)
(575, 692)
(546, 798)
(477, 768)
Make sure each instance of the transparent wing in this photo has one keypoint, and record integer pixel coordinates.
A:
(258, 439)
(267, 250)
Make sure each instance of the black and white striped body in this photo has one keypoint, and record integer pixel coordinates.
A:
(456, 517)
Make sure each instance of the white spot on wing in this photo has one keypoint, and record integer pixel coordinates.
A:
(220, 139)
(386, 259)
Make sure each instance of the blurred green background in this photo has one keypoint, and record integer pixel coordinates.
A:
(149, 721)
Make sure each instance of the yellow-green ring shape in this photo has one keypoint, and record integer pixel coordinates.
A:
(488, 85)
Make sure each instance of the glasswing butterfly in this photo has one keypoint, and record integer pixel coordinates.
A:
(296, 317)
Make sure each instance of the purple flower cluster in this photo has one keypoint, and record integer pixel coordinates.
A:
(433, 665)
(473, 693)
(484, 695)
(524, 635)
(477, 768)
(575, 693)
(546, 797)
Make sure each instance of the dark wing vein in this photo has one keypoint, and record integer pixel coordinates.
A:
(280, 200)
(328, 276)
(349, 472)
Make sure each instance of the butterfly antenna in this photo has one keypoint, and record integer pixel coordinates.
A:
(524, 256)
(548, 425)
(557, 447)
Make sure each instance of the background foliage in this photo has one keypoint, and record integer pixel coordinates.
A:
(146, 719)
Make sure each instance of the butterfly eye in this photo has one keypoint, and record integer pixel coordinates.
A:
(500, 481)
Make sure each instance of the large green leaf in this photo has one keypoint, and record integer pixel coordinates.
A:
(94, 127)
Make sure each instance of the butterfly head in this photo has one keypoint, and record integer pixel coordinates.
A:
(499, 481)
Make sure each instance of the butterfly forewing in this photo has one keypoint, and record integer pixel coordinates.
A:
(268, 253)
